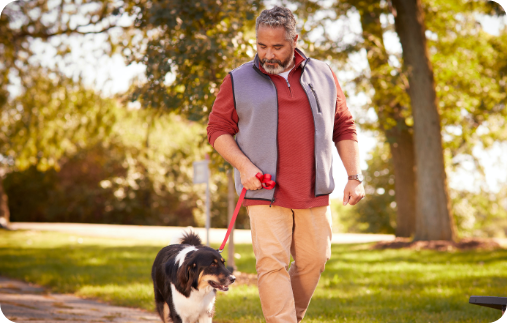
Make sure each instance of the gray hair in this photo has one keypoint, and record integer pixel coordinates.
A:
(278, 17)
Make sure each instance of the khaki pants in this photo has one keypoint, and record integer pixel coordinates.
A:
(277, 233)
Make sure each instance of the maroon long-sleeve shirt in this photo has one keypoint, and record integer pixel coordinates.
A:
(295, 178)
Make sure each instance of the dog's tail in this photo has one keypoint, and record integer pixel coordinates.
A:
(191, 238)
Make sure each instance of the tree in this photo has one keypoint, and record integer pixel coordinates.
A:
(386, 83)
(52, 118)
(20, 24)
(378, 213)
(188, 47)
(23, 22)
(392, 107)
(433, 212)
(469, 67)
(106, 181)
(470, 75)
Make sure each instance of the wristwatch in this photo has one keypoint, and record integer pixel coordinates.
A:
(358, 177)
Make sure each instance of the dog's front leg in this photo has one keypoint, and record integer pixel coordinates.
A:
(166, 314)
(209, 304)
(206, 318)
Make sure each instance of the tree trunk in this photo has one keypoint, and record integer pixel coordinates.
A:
(4, 207)
(433, 215)
(402, 151)
(230, 210)
(399, 136)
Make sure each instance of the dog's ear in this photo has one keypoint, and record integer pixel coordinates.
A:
(186, 276)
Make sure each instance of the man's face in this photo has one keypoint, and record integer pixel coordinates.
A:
(275, 52)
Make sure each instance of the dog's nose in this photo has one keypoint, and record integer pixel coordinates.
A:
(232, 278)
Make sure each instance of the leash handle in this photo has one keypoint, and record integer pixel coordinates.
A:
(266, 183)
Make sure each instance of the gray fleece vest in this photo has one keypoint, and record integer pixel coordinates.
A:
(256, 102)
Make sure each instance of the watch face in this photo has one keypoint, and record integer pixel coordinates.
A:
(360, 177)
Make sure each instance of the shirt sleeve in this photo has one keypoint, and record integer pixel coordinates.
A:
(223, 118)
(344, 125)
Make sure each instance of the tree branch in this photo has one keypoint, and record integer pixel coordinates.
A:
(65, 32)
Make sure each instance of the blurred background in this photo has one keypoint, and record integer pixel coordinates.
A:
(104, 105)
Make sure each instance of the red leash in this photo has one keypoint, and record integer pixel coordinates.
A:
(266, 183)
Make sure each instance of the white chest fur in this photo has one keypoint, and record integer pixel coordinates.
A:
(198, 307)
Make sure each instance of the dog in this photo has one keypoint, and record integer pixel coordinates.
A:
(185, 278)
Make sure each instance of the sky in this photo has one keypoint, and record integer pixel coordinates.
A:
(110, 75)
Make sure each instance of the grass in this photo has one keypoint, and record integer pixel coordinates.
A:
(359, 284)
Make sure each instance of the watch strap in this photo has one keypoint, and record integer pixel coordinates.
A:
(358, 177)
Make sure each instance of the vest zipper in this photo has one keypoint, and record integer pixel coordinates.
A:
(315, 95)
(276, 163)
(314, 123)
(288, 84)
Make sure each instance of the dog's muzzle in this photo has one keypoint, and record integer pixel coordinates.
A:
(225, 285)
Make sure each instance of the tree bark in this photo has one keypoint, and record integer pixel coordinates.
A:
(399, 136)
(402, 151)
(433, 216)
(4, 207)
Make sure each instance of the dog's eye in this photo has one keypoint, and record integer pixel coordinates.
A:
(214, 265)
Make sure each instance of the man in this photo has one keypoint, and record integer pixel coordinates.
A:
(287, 111)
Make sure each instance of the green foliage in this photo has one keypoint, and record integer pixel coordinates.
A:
(29, 192)
(377, 211)
(470, 74)
(480, 214)
(35, 130)
(52, 117)
(24, 22)
(188, 48)
(220, 203)
(358, 285)
(89, 159)
(118, 180)
(477, 214)
(469, 66)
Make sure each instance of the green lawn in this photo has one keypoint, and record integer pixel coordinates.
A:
(359, 284)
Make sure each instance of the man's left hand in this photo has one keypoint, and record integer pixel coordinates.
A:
(353, 193)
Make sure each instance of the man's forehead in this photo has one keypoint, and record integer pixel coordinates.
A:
(271, 35)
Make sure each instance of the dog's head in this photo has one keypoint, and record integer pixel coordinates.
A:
(204, 267)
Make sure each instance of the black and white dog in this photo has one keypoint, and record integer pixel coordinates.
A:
(185, 278)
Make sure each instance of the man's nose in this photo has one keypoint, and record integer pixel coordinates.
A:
(270, 54)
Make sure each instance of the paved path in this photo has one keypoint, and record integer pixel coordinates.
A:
(172, 234)
(22, 302)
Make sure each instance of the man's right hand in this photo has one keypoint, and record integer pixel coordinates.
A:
(248, 179)
(228, 148)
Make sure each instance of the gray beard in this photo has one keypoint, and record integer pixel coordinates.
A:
(278, 69)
